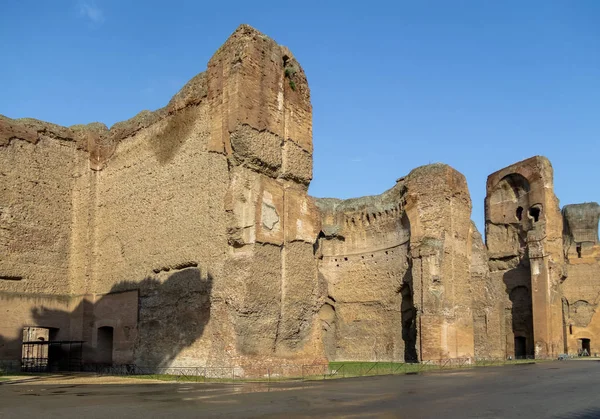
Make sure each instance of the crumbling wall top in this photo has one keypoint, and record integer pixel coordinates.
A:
(537, 168)
(581, 221)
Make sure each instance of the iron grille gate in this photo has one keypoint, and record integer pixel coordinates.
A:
(46, 356)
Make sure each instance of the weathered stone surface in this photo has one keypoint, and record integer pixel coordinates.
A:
(438, 206)
(185, 237)
(487, 296)
(581, 289)
(196, 233)
(523, 222)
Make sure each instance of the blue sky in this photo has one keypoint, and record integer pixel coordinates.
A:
(395, 85)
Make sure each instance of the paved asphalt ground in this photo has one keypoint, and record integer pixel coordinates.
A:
(565, 389)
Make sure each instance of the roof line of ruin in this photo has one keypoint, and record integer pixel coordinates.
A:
(31, 130)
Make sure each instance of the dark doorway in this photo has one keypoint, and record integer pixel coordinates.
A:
(522, 314)
(520, 347)
(409, 324)
(104, 348)
(585, 347)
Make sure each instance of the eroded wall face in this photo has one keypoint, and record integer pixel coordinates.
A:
(205, 212)
(368, 314)
(581, 289)
(194, 217)
(261, 121)
(438, 206)
(398, 269)
(156, 210)
(37, 174)
(524, 240)
(488, 295)
(36, 184)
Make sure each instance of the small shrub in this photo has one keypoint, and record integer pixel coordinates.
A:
(290, 71)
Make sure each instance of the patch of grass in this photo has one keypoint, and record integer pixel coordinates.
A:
(345, 370)
(290, 71)
(358, 369)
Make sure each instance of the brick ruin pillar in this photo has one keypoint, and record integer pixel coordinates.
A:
(438, 206)
(524, 239)
(261, 119)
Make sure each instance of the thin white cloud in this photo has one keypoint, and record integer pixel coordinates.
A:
(89, 10)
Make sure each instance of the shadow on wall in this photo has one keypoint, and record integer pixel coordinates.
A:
(148, 322)
(407, 307)
(171, 137)
(518, 283)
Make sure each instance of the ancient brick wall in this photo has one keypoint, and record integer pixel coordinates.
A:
(397, 268)
(37, 170)
(581, 289)
(438, 206)
(524, 240)
(201, 208)
(488, 296)
(185, 236)
(21, 310)
(363, 258)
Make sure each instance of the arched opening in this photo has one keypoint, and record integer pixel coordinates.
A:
(104, 347)
(522, 321)
(511, 188)
(534, 213)
(520, 347)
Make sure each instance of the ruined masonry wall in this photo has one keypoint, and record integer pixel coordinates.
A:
(581, 289)
(36, 189)
(189, 231)
(438, 206)
(398, 270)
(198, 212)
(363, 259)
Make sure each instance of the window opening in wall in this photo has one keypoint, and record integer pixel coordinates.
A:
(535, 214)
(579, 251)
(520, 213)
(570, 329)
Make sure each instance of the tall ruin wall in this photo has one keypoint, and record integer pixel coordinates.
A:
(524, 240)
(200, 207)
(187, 234)
(398, 270)
(581, 289)
(363, 256)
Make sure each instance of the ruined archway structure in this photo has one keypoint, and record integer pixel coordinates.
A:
(188, 233)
